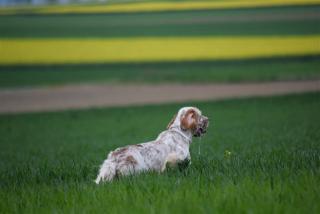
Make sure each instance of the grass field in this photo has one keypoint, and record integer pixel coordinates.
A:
(274, 69)
(48, 160)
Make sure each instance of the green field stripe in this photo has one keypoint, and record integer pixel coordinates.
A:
(268, 21)
(297, 68)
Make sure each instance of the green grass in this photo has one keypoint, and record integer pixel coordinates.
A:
(183, 72)
(49, 160)
(262, 21)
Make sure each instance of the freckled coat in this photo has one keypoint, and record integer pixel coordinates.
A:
(170, 147)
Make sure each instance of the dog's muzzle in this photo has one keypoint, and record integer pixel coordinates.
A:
(202, 127)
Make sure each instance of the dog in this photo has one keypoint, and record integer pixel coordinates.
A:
(169, 149)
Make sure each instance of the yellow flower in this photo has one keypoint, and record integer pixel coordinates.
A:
(227, 153)
(152, 49)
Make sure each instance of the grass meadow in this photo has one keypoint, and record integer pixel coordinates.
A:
(49, 160)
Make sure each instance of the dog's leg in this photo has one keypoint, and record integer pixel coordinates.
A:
(171, 160)
(176, 159)
(107, 171)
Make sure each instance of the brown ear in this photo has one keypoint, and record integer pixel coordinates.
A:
(172, 121)
(188, 120)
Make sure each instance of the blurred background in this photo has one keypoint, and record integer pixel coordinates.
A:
(45, 2)
(61, 43)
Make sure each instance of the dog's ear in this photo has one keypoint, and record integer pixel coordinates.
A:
(172, 121)
(189, 120)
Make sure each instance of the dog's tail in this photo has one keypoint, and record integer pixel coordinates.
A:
(107, 171)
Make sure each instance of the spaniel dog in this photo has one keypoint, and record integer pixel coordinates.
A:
(170, 148)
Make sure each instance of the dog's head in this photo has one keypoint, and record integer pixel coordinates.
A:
(190, 119)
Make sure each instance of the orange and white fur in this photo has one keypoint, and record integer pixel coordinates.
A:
(170, 148)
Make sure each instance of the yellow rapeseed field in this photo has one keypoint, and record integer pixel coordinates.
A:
(155, 6)
(59, 51)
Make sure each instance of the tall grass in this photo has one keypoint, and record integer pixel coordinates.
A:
(49, 160)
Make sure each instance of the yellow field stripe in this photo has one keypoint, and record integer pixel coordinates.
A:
(155, 6)
(59, 51)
